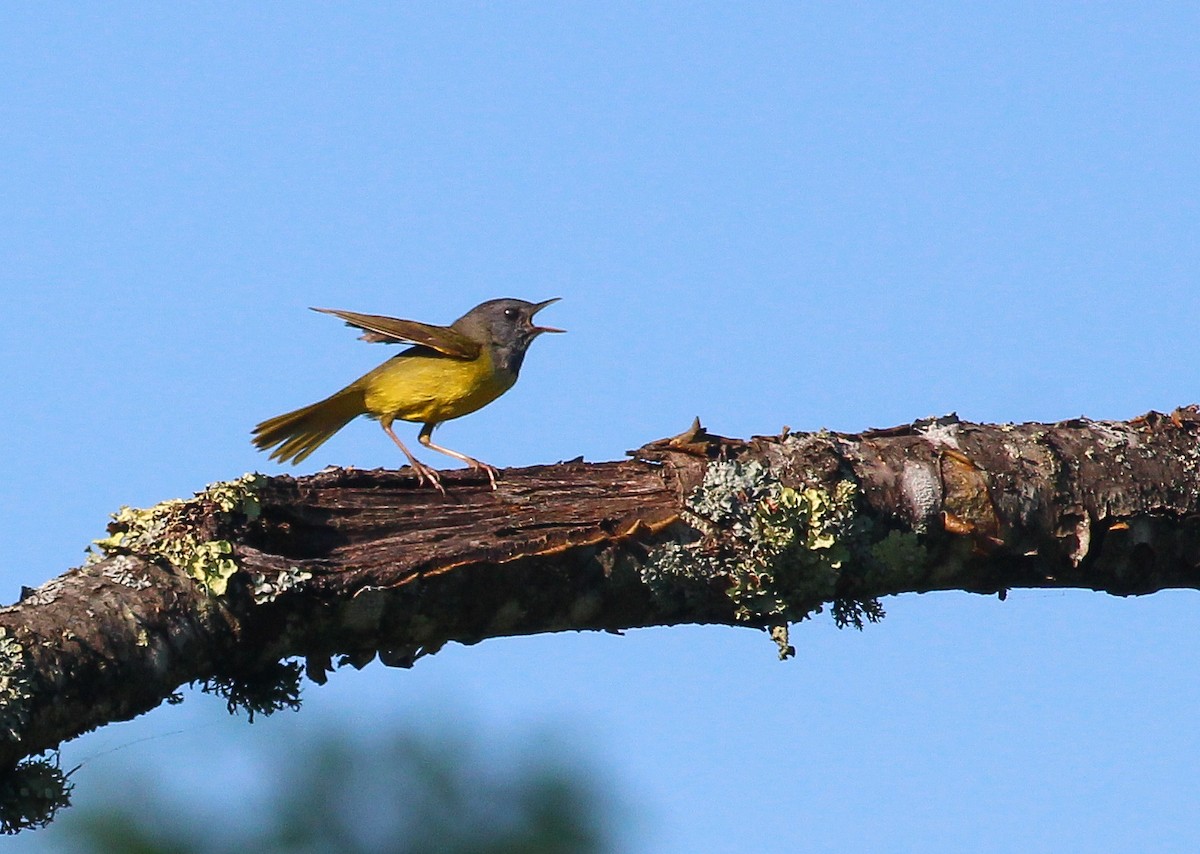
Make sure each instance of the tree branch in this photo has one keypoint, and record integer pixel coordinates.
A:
(351, 564)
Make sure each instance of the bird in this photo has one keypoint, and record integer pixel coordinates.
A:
(448, 372)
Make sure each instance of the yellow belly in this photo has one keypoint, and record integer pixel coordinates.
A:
(431, 389)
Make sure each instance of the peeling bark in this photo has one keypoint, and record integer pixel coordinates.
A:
(346, 564)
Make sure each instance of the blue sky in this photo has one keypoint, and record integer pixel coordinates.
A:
(838, 215)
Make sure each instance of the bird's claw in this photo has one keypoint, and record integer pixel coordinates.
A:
(428, 475)
(491, 471)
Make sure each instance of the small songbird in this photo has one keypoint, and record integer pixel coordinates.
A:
(449, 371)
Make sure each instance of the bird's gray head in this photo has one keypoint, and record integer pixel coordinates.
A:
(507, 326)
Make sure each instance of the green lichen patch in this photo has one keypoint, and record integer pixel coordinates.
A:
(799, 543)
(237, 496)
(780, 550)
(16, 686)
(31, 794)
(187, 534)
(900, 555)
(262, 692)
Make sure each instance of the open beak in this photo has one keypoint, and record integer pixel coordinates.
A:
(538, 307)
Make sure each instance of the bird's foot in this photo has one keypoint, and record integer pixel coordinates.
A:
(491, 471)
(426, 474)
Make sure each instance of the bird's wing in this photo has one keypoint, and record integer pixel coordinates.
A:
(392, 330)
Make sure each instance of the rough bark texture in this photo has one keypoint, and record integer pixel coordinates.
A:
(347, 564)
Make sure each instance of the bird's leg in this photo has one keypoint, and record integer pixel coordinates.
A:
(426, 438)
(424, 472)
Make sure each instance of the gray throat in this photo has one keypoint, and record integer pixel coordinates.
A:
(508, 357)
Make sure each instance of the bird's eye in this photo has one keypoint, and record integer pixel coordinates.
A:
(510, 313)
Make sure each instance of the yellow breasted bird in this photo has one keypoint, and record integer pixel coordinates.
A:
(449, 371)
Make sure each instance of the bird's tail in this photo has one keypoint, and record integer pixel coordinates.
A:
(300, 433)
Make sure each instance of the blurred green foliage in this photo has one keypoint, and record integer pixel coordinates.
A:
(405, 795)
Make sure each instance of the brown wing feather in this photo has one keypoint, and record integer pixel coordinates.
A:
(392, 330)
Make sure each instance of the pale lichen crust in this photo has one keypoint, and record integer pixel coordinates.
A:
(267, 587)
(168, 531)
